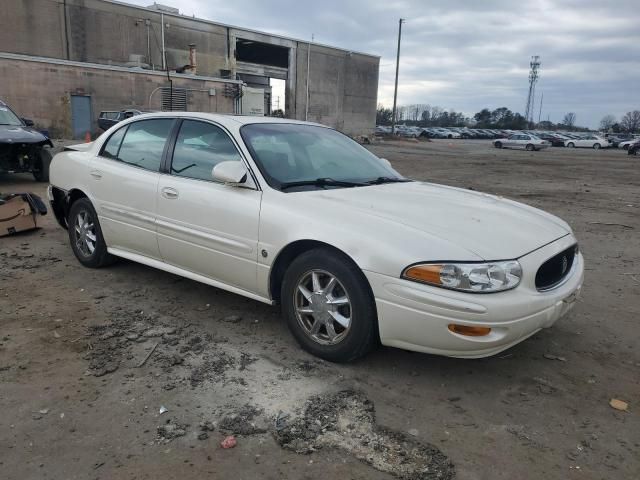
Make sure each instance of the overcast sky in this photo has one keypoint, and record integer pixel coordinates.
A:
(469, 54)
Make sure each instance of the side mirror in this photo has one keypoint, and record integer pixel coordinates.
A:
(231, 172)
(28, 122)
(386, 162)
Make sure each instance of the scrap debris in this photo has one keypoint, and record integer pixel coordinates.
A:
(619, 404)
(229, 442)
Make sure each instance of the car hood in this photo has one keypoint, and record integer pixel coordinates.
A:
(20, 134)
(490, 227)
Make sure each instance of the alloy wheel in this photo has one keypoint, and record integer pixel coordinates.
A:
(85, 233)
(322, 307)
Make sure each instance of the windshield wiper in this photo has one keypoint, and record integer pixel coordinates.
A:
(381, 180)
(321, 182)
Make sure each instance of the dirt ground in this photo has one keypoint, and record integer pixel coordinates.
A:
(90, 358)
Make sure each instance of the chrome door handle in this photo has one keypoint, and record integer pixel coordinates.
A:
(97, 174)
(170, 193)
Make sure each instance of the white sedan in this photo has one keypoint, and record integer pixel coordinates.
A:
(589, 141)
(298, 214)
(521, 140)
(627, 143)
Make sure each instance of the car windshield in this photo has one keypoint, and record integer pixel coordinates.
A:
(7, 117)
(291, 154)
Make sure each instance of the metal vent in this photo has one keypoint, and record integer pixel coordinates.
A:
(176, 101)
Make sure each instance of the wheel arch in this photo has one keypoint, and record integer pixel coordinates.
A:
(290, 252)
(62, 201)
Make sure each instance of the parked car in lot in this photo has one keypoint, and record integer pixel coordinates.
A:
(296, 213)
(382, 130)
(615, 140)
(108, 119)
(627, 143)
(521, 140)
(554, 140)
(634, 148)
(587, 141)
(408, 132)
(449, 133)
(23, 149)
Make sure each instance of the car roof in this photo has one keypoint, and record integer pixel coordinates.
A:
(227, 118)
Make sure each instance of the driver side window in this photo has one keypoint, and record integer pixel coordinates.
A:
(199, 147)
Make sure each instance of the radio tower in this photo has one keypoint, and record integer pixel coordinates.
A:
(533, 78)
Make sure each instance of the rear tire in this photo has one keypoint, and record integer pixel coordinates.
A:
(41, 170)
(529, 148)
(85, 235)
(498, 144)
(337, 332)
(625, 147)
(597, 146)
(571, 145)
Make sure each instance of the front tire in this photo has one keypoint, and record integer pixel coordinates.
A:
(597, 146)
(329, 307)
(498, 144)
(85, 235)
(571, 145)
(529, 148)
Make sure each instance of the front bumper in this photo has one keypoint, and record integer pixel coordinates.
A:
(416, 317)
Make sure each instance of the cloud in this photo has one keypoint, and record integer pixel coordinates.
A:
(466, 54)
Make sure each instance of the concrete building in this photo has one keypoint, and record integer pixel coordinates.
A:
(64, 61)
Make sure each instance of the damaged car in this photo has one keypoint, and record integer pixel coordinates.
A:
(23, 149)
(298, 214)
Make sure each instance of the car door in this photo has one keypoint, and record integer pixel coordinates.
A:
(124, 184)
(511, 141)
(204, 226)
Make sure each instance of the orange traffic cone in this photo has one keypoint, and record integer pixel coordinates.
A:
(87, 138)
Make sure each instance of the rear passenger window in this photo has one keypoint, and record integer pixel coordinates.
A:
(143, 143)
(199, 147)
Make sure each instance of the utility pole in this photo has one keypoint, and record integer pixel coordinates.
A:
(164, 53)
(306, 103)
(395, 91)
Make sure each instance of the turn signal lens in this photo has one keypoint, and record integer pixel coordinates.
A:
(425, 273)
(469, 331)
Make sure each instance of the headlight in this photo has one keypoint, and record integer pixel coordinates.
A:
(467, 277)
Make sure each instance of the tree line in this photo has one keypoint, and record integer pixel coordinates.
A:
(629, 123)
(425, 115)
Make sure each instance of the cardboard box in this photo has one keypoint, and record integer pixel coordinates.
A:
(16, 216)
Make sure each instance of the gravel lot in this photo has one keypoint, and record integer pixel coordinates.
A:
(89, 357)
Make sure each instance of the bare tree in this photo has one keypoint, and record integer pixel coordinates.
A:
(569, 119)
(631, 121)
(607, 122)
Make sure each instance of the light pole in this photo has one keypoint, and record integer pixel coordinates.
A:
(395, 91)
(306, 103)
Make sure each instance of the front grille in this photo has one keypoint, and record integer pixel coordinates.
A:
(553, 271)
